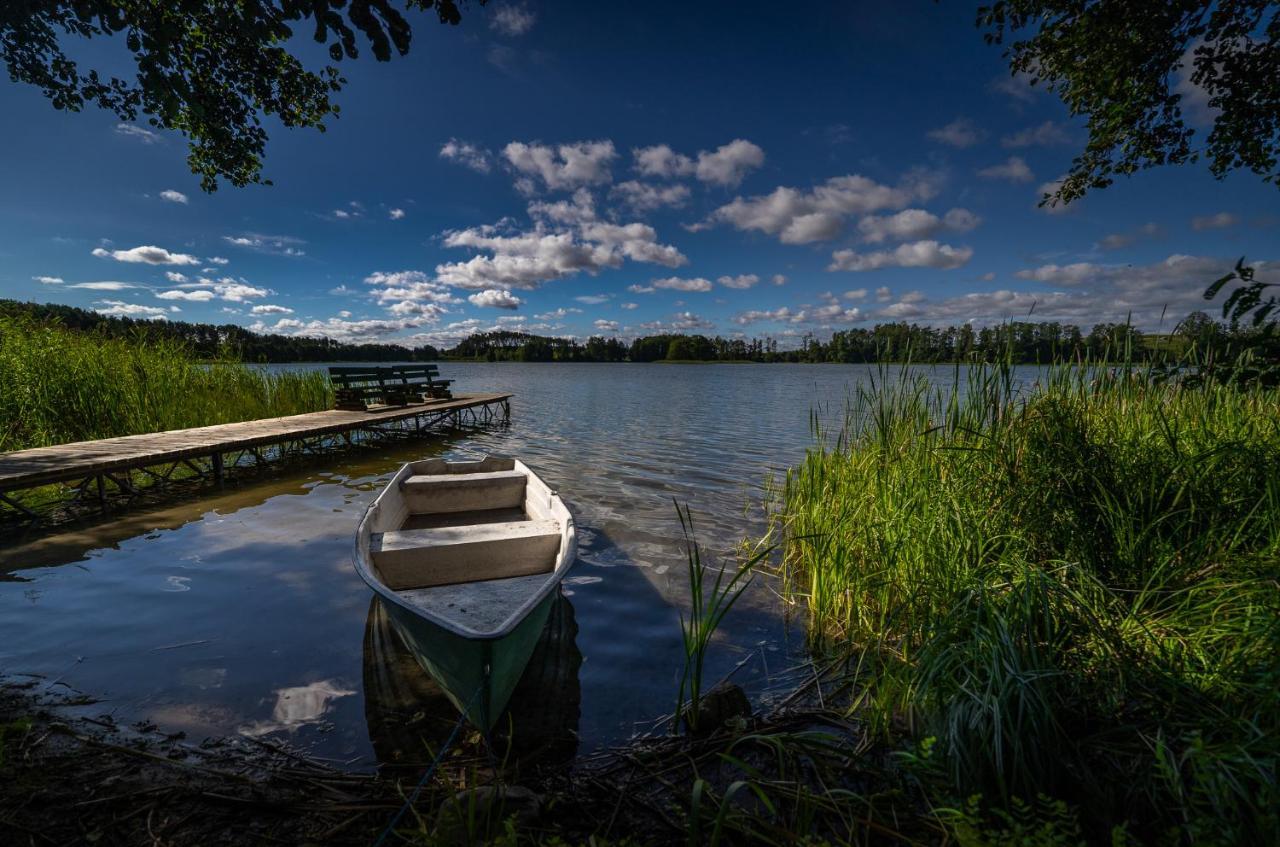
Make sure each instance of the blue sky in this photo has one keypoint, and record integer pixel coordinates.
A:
(619, 169)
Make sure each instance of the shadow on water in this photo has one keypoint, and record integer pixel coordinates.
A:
(410, 718)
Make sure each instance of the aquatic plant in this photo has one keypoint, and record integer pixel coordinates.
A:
(57, 386)
(1070, 585)
(708, 606)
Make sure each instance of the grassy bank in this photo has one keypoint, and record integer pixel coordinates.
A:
(58, 385)
(1069, 594)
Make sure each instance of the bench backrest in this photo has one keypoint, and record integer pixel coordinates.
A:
(348, 376)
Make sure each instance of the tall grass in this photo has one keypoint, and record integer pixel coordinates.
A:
(1071, 591)
(58, 386)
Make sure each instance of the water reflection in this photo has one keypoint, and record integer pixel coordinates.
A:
(409, 716)
(298, 706)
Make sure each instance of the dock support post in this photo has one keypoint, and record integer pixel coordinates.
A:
(217, 467)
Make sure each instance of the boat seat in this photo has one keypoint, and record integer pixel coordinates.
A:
(463, 492)
(421, 558)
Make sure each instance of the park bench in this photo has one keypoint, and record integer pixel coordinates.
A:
(364, 387)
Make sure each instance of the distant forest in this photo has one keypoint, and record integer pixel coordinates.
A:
(1019, 341)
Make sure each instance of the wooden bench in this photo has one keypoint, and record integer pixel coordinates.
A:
(363, 387)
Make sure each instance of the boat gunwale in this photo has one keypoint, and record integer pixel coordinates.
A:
(564, 560)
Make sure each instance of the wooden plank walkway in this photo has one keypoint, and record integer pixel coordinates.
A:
(62, 462)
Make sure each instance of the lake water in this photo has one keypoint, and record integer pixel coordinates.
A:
(239, 612)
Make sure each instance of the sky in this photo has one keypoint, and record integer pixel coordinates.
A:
(577, 169)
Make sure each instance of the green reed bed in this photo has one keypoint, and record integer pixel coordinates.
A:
(58, 386)
(1068, 592)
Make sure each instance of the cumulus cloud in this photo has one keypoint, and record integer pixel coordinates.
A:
(1016, 86)
(173, 196)
(1014, 169)
(227, 288)
(641, 289)
(680, 322)
(779, 279)
(146, 254)
(271, 309)
(916, 254)
(628, 306)
(1120, 240)
(1048, 190)
(606, 326)
(563, 167)
(137, 133)
(829, 312)
(48, 280)
(1222, 220)
(959, 133)
(799, 216)
(512, 20)
(396, 214)
(675, 283)
(912, 224)
(216, 260)
(1042, 135)
(741, 281)
(409, 292)
(467, 154)
(495, 298)
(279, 245)
(121, 309)
(725, 166)
(643, 197)
(199, 295)
(593, 299)
(559, 314)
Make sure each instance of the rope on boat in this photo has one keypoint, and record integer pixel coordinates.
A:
(431, 769)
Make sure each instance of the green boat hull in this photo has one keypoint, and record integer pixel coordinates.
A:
(477, 675)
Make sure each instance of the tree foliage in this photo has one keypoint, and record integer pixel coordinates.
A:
(210, 69)
(1129, 66)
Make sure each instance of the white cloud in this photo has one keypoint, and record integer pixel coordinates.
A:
(592, 299)
(676, 283)
(680, 322)
(726, 166)
(1016, 86)
(883, 294)
(827, 314)
(1042, 135)
(278, 245)
(467, 154)
(199, 295)
(912, 224)
(48, 280)
(606, 326)
(146, 254)
(628, 306)
(396, 214)
(564, 167)
(216, 260)
(495, 298)
(121, 309)
(173, 196)
(512, 20)
(741, 281)
(916, 254)
(1222, 220)
(559, 314)
(643, 197)
(798, 216)
(959, 133)
(105, 286)
(1015, 169)
(228, 288)
(175, 276)
(856, 294)
(641, 289)
(271, 309)
(407, 292)
(1074, 274)
(138, 133)
(1120, 240)
(779, 279)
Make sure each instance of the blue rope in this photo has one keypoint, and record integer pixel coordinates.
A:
(431, 769)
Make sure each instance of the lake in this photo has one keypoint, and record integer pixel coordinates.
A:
(239, 612)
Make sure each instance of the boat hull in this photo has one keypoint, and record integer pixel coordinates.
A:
(477, 675)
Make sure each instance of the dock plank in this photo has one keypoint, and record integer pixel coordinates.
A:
(44, 465)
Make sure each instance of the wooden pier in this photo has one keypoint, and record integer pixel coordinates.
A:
(95, 471)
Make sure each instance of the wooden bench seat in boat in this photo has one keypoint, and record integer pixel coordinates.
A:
(463, 492)
(421, 558)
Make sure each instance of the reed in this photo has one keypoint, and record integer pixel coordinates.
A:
(57, 386)
(1068, 590)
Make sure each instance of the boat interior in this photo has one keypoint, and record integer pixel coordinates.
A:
(467, 542)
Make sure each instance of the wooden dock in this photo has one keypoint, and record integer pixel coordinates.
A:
(111, 462)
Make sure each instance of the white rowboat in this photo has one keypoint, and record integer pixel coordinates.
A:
(467, 557)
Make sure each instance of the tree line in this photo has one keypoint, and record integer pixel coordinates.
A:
(1020, 342)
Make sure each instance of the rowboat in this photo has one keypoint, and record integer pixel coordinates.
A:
(467, 558)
